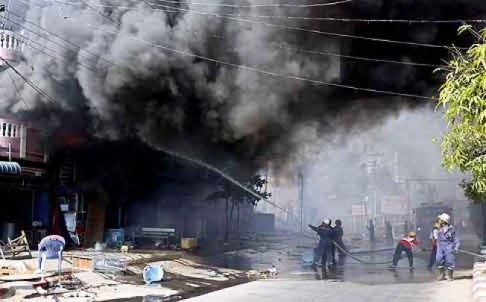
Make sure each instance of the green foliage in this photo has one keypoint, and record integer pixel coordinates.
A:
(463, 95)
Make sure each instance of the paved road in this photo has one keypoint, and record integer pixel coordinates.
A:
(353, 283)
(310, 291)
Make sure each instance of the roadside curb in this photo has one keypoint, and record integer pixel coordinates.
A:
(479, 282)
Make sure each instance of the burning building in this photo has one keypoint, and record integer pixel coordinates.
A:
(194, 80)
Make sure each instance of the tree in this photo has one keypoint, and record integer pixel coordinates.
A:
(235, 196)
(463, 95)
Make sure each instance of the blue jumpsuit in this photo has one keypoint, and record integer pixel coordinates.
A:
(324, 248)
(447, 244)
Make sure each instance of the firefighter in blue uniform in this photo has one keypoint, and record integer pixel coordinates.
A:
(447, 247)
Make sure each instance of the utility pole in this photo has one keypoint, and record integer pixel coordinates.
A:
(483, 217)
(301, 197)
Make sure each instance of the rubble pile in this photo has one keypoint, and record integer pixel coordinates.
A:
(111, 276)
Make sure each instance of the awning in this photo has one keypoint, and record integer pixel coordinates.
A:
(11, 168)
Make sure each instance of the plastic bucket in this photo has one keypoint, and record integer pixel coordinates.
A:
(153, 273)
(308, 258)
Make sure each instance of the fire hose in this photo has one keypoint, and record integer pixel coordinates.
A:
(471, 253)
(347, 253)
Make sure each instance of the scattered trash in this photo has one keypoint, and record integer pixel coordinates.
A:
(268, 273)
(188, 243)
(6, 292)
(153, 273)
(109, 264)
(124, 249)
(252, 274)
(99, 246)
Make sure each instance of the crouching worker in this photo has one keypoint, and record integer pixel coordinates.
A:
(407, 245)
(50, 247)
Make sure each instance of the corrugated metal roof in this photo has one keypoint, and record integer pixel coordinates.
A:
(11, 168)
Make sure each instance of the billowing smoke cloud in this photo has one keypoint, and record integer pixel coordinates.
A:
(132, 87)
(405, 161)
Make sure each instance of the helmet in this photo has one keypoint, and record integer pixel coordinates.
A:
(444, 217)
(412, 234)
(326, 221)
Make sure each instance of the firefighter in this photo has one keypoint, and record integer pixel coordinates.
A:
(338, 239)
(434, 235)
(324, 248)
(407, 245)
(447, 247)
(332, 253)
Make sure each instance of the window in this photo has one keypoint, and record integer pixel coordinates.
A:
(9, 130)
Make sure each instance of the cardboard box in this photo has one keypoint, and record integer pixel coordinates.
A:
(188, 243)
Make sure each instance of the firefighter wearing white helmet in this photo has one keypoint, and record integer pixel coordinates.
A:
(324, 248)
(447, 247)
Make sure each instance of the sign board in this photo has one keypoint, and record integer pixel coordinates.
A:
(394, 205)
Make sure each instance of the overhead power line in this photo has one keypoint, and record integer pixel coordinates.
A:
(41, 92)
(278, 75)
(76, 46)
(17, 90)
(274, 74)
(300, 29)
(277, 46)
(257, 5)
(286, 46)
(354, 20)
(28, 42)
(324, 53)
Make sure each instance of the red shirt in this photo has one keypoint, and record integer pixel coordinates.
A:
(409, 242)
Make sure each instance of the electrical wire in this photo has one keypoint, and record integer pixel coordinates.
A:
(283, 46)
(330, 19)
(77, 46)
(300, 29)
(63, 57)
(278, 75)
(257, 5)
(274, 74)
(355, 20)
(323, 53)
(35, 87)
(17, 91)
(100, 13)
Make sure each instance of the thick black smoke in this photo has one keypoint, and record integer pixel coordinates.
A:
(200, 107)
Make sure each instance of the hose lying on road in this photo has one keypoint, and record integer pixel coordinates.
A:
(345, 252)
(471, 253)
